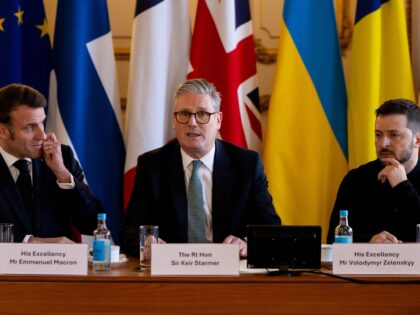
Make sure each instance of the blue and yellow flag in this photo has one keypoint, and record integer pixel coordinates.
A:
(380, 70)
(25, 53)
(305, 144)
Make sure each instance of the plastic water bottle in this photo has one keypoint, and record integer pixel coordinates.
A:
(101, 245)
(343, 232)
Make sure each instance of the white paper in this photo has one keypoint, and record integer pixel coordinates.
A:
(195, 259)
(380, 259)
(43, 259)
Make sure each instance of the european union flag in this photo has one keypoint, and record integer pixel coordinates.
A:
(25, 54)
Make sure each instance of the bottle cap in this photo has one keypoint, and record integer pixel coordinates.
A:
(101, 216)
(344, 212)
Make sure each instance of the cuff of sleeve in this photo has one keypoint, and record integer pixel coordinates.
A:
(403, 188)
(67, 185)
(27, 238)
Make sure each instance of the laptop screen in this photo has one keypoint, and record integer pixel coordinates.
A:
(284, 247)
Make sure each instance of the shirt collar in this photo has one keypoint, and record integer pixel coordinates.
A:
(10, 159)
(208, 159)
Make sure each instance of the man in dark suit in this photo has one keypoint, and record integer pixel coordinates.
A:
(233, 187)
(41, 184)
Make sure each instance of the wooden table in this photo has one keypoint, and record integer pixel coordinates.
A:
(124, 290)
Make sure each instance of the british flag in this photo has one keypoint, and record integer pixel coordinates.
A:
(222, 51)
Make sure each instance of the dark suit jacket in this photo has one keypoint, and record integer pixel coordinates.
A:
(55, 209)
(240, 195)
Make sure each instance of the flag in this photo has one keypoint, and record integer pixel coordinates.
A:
(380, 70)
(159, 63)
(25, 54)
(305, 144)
(222, 52)
(84, 106)
(415, 46)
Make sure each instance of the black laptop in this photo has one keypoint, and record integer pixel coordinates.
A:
(284, 247)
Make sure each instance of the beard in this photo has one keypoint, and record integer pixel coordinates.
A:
(404, 157)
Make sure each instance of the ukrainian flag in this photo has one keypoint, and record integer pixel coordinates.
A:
(305, 145)
(380, 70)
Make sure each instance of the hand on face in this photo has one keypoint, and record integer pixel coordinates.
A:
(54, 159)
(393, 172)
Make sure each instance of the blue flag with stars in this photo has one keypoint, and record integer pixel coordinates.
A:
(25, 54)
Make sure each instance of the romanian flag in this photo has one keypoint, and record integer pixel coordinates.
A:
(305, 145)
(380, 70)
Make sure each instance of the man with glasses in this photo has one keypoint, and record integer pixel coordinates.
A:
(198, 189)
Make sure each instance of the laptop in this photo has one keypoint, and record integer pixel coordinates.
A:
(284, 247)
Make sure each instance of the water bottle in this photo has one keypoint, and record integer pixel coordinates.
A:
(343, 232)
(101, 245)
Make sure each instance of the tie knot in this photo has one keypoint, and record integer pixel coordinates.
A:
(196, 164)
(22, 166)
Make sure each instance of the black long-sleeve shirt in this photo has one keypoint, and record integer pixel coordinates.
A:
(375, 207)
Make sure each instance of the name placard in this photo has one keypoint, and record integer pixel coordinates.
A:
(43, 259)
(195, 259)
(379, 259)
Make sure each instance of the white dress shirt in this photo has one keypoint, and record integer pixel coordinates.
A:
(11, 159)
(205, 173)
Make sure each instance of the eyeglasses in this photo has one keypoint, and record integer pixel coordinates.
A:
(202, 117)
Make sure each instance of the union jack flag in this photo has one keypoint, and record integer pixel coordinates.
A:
(222, 52)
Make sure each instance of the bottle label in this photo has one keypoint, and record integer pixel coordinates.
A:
(343, 239)
(101, 250)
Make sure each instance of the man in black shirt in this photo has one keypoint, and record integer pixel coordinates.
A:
(382, 196)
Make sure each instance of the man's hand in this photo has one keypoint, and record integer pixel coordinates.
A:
(54, 158)
(147, 253)
(58, 240)
(384, 237)
(393, 171)
(236, 240)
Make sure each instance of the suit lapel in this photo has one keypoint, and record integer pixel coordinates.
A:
(222, 182)
(177, 184)
(11, 194)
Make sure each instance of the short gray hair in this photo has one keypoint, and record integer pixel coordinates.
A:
(199, 86)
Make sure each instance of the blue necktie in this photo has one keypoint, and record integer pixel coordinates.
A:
(24, 185)
(196, 213)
